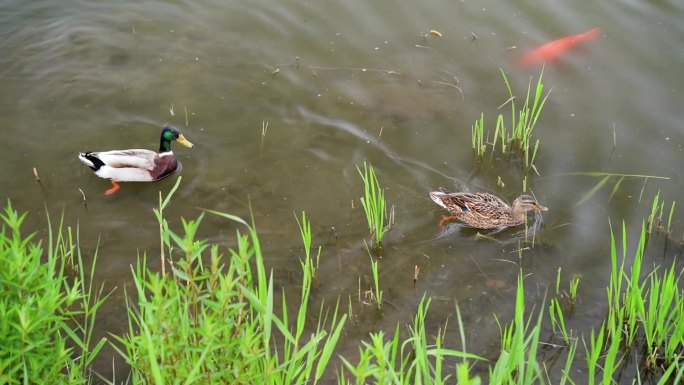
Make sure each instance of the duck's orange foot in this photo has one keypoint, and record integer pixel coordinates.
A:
(446, 218)
(114, 189)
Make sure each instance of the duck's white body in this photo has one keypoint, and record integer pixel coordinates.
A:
(136, 165)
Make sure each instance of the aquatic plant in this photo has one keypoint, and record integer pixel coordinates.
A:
(655, 218)
(373, 202)
(478, 138)
(48, 306)
(376, 282)
(213, 319)
(517, 138)
(574, 284)
(606, 177)
(556, 309)
(646, 311)
(309, 266)
(224, 325)
(411, 360)
(523, 121)
(375, 292)
(517, 362)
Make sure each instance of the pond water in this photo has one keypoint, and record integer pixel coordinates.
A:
(338, 83)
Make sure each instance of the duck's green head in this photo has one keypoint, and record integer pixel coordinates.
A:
(170, 133)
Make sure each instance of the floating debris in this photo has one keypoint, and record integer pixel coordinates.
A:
(85, 203)
(35, 174)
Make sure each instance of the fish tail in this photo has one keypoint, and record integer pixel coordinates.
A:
(592, 34)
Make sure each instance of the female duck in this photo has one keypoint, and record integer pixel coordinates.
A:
(136, 165)
(485, 211)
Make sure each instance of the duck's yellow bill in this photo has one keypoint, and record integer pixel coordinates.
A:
(181, 139)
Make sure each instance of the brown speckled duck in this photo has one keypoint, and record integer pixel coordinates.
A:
(483, 210)
(137, 165)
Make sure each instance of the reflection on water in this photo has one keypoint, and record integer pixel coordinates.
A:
(339, 83)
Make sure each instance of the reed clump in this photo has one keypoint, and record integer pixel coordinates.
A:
(374, 205)
(515, 136)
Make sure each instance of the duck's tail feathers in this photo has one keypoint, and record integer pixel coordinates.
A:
(437, 197)
(91, 160)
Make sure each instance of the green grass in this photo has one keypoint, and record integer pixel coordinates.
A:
(607, 177)
(643, 314)
(214, 319)
(373, 202)
(48, 306)
(523, 120)
(513, 137)
(478, 137)
(557, 311)
(309, 265)
(655, 221)
(411, 360)
(217, 319)
(517, 363)
(376, 293)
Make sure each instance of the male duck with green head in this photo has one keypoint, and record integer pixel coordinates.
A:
(136, 165)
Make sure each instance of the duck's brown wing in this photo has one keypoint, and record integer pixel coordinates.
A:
(478, 202)
(487, 211)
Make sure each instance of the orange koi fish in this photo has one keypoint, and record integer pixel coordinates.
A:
(556, 48)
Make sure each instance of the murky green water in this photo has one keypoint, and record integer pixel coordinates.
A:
(339, 83)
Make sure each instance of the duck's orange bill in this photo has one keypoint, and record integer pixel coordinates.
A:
(181, 139)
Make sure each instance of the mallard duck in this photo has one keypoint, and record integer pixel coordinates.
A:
(136, 165)
(483, 210)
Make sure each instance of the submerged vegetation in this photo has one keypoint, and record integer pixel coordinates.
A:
(216, 319)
